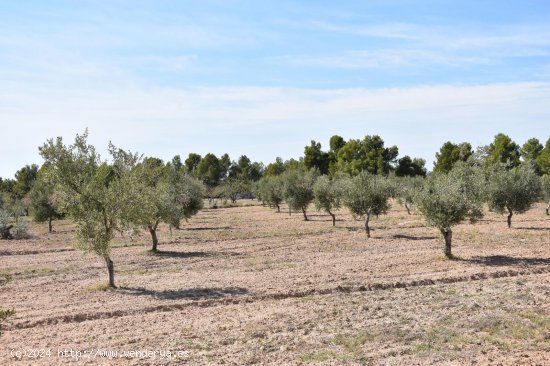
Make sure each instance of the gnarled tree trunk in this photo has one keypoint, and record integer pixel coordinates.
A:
(333, 218)
(408, 207)
(448, 236)
(548, 208)
(304, 212)
(278, 209)
(510, 214)
(111, 269)
(50, 224)
(153, 231)
(367, 228)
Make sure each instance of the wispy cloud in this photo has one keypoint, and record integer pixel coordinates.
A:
(426, 45)
(384, 59)
(169, 121)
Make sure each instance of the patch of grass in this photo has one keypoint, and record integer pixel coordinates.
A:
(437, 338)
(4, 314)
(353, 343)
(31, 272)
(5, 278)
(317, 357)
(131, 271)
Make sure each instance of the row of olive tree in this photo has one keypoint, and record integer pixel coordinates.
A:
(444, 198)
(104, 197)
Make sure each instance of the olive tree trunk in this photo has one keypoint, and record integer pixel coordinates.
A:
(50, 224)
(111, 269)
(333, 218)
(448, 236)
(510, 214)
(304, 212)
(153, 231)
(548, 208)
(278, 209)
(367, 228)
(408, 207)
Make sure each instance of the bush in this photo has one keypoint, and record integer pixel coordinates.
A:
(12, 226)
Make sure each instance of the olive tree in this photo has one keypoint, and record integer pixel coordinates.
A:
(405, 190)
(329, 195)
(368, 194)
(298, 188)
(271, 190)
(45, 203)
(446, 200)
(234, 186)
(90, 193)
(513, 190)
(163, 195)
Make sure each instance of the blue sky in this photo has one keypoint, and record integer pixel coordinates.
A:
(263, 78)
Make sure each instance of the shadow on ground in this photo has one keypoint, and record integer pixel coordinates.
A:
(408, 237)
(503, 260)
(208, 228)
(174, 254)
(534, 228)
(193, 293)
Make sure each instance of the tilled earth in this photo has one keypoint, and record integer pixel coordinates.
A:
(247, 285)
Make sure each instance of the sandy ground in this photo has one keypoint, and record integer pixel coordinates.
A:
(248, 285)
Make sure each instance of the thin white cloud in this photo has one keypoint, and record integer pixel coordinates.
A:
(384, 59)
(409, 44)
(266, 122)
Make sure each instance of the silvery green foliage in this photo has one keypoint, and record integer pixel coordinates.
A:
(89, 192)
(368, 194)
(329, 194)
(298, 188)
(514, 190)
(406, 189)
(20, 229)
(12, 225)
(545, 187)
(5, 223)
(233, 187)
(188, 193)
(271, 189)
(447, 199)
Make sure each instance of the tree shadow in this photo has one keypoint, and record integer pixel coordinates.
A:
(201, 228)
(504, 260)
(174, 254)
(192, 293)
(408, 237)
(533, 228)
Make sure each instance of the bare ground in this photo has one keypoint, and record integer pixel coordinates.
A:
(248, 285)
